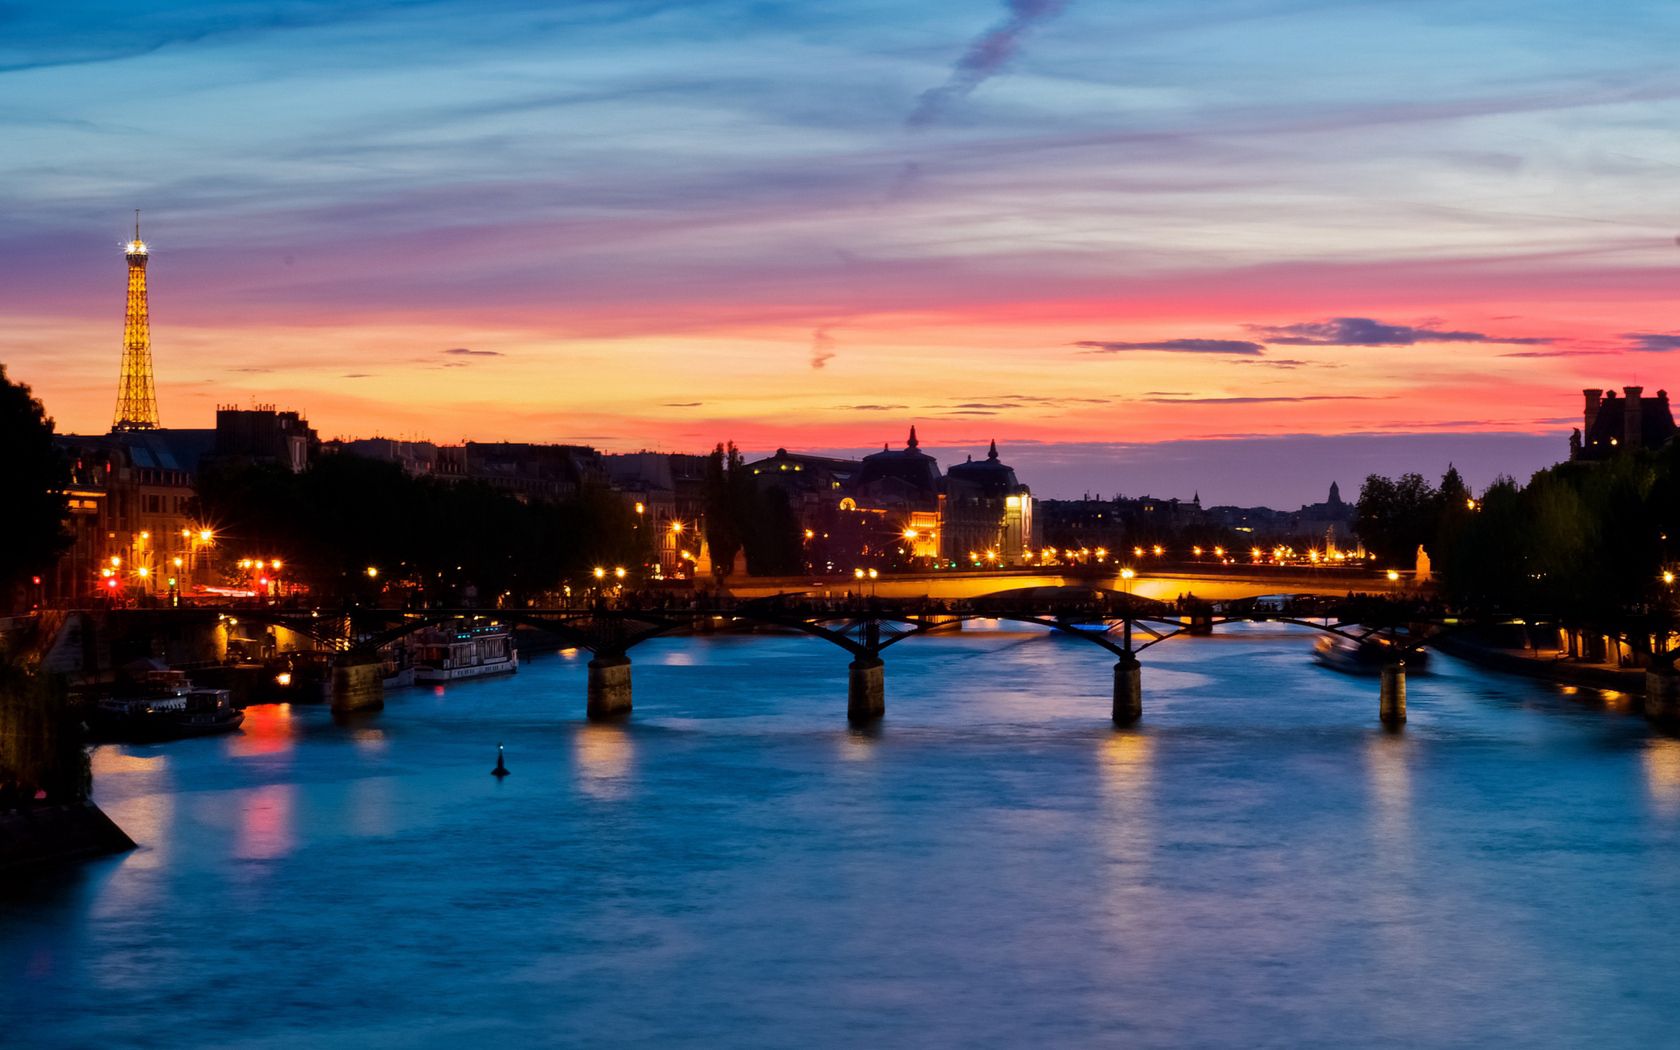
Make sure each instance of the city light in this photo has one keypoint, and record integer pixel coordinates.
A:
(372, 572)
(205, 535)
(1668, 577)
(858, 573)
(911, 534)
(600, 573)
(142, 572)
(1127, 574)
(1393, 576)
(676, 528)
(619, 572)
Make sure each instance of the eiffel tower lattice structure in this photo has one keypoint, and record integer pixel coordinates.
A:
(136, 393)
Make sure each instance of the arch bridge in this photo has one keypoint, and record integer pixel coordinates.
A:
(1122, 624)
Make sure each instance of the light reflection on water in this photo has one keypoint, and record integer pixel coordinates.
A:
(1662, 774)
(604, 756)
(1258, 864)
(265, 822)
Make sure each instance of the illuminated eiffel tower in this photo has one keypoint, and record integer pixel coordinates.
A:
(136, 396)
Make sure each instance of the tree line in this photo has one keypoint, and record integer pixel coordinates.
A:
(442, 540)
(1587, 541)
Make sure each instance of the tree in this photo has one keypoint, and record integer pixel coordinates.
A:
(1394, 518)
(32, 533)
(728, 506)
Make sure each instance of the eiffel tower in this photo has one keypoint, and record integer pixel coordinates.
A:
(136, 395)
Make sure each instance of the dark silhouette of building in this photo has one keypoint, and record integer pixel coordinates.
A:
(1612, 424)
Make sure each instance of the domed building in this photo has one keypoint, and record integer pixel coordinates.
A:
(900, 489)
(987, 512)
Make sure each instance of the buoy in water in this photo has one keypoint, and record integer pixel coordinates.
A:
(501, 769)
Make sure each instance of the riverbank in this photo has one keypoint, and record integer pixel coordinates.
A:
(1552, 665)
(43, 837)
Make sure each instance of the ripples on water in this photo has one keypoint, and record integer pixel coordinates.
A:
(1257, 865)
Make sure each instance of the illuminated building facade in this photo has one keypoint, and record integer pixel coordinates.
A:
(987, 513)
(895, 507)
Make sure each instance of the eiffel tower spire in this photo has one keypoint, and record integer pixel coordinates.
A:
(136, 395)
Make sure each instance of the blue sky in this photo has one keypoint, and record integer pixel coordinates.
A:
(662, 225)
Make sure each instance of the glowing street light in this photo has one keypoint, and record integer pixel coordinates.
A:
(676, 528)
(1127, 574)
(619, 572)
(600, 573)
(1393, 576)
(1668, 577)
(373, 572)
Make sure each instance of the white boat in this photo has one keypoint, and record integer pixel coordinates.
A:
(446, 654)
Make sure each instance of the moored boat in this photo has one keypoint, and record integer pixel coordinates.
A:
(170, 709)
(448, 654)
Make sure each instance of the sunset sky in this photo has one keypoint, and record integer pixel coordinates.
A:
(1241, 247)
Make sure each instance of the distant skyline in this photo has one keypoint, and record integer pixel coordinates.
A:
(1241, 246)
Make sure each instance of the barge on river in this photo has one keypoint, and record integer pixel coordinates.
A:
(449, 654)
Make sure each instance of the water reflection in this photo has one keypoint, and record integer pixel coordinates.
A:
(113, 760)
(604, 757)
(267, 730)
(1661, 760)
(1388, 772)
(266, 822)
(860, 743)
(1126, 764)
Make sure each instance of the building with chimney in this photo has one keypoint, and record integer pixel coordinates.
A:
(1612, 424)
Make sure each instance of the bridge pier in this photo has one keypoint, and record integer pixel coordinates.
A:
(866, 690)
(1200, 625)
(1128, 691)
(357, 685)
(1392, 705)
(1662, 696)
(609, 688)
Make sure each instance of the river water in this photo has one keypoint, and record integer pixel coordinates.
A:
(1258, 864)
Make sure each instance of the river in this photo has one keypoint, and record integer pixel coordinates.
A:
(1258, 864)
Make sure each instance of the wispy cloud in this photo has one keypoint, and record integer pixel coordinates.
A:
(682, 404)
(986, 55)
(461, 351)
(1652, 342)
(872, 408)
(1365, 331)
(1257, 400)
(822, 347)
(1557, 353)
(1177, 346)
